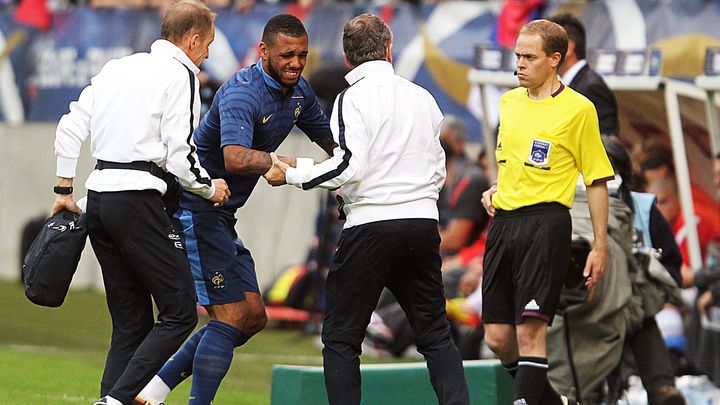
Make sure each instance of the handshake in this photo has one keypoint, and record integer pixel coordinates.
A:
(275, 176)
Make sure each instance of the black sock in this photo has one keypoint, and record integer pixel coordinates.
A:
(531, 383)
(550, 396)
(511, 368)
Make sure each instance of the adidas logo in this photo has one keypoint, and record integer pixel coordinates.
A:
(532, 306)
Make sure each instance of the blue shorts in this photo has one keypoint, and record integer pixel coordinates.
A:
(221, 266)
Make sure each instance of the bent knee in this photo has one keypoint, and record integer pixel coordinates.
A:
(494, 342)
(255, 323)
(499, 342)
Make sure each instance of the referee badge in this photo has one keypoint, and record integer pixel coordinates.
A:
(540, 152)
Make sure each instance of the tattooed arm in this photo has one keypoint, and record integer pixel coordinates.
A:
(249, 162)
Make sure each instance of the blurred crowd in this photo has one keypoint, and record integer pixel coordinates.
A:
(240, 6)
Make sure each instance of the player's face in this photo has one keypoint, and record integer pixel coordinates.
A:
(284, 60)
(534, 67)
(200, 49)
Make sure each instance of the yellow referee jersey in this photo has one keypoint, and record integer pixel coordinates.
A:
(543, 145)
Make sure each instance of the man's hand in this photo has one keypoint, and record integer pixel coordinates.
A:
(704, 303)
(276, 175)
(64, 202)
(487, 200)
(222, 192)
(595, 266)
(471, 280)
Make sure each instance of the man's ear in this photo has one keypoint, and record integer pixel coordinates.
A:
(347, 62)
(388, 50)
(555, 60)
(263, 50)
(193, 41)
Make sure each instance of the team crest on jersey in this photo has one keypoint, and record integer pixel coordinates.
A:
(540, 152)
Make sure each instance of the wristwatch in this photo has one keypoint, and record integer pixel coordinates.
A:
(63, 190)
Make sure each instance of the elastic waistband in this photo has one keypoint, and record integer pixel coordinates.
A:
(149, 167)
(541, 208)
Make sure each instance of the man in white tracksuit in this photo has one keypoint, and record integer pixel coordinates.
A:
(391, 167)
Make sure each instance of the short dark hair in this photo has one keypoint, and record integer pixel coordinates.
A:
(366, 38)
(658, 160)
(575, 31)
(553, 36)
(184, 17)
(285, 24)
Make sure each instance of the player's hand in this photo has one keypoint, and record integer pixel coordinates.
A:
(275, 176)
(222, 192)
(595, 267)
(487, 200)
(64, 202)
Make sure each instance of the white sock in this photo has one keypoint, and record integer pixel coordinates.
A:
(155, 391)
(112, 401)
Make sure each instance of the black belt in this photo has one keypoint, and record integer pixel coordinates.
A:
(149, 167)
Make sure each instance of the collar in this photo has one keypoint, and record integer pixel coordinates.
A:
(368, 68)
(573, 71)
(167, 48)
(269, 81)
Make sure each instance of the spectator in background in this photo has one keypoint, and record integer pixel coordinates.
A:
(579, 76)
(707, 354)
(670, 319)
(668, 202)
(462, 216)
(716, 175)
(651, 231)
(657, 165)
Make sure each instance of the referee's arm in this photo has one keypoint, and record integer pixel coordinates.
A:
(598, 205)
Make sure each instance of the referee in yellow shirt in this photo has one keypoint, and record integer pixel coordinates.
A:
(549, 134)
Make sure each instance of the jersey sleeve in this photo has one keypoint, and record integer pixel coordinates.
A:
(591, 156)
(237, 107)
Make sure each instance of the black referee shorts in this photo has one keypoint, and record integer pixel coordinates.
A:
(526, 261)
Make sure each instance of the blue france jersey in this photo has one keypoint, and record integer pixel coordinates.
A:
(251, 110)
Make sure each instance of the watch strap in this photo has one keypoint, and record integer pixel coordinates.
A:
(63, 189)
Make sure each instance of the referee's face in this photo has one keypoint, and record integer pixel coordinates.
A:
(284, 59)
(534, 67)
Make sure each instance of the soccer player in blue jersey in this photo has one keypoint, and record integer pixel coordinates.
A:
(251, 115)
